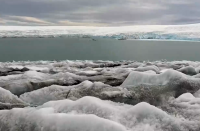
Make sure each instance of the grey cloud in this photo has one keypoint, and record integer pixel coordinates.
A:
(102, 12)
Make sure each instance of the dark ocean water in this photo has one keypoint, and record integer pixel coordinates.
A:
(21, 49)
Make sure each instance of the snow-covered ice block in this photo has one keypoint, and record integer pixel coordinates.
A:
(8, 100)
(137, 78)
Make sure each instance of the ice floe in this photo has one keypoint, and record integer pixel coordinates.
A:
(8, 100)
(90, 113)
(99, 95)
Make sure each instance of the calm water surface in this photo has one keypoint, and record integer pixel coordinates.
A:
(19, 49)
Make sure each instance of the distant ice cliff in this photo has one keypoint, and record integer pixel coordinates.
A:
(163, 32)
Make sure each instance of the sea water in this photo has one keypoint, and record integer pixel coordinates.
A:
(22, 49)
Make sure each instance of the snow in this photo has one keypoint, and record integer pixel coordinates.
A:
(45, 94)
(100, 96)
(164, 70)
(189, 70)
(7, 97)
(35, 75)
(32, 80)
(16, 67)
(136, 78)
(90, 113)
(148, 68)
(55, 92)
(185, 97)
(9, 101)
(113, 93)
(88, 73)
(197, 76)
(46, 120)
(197, 94)
(188, 105)
(166, 32)
(35, 68)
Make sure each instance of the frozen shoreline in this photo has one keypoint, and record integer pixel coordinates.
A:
(120, 95)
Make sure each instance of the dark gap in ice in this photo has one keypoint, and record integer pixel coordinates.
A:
(12, 71)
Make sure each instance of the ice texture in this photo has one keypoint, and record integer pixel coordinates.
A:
(137, 78)
(100, 96)
(90, 113)
(47, 120)
(9, 100)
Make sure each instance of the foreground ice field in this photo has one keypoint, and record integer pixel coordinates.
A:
(100, 96)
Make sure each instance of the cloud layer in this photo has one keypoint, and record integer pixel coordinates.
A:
(98, 12)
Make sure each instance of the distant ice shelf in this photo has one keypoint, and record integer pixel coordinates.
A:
(160, 32)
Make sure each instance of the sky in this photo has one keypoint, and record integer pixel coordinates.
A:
(98, 12)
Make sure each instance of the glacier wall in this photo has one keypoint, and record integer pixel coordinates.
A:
(160, 32)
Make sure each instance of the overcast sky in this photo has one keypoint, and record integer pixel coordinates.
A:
(99, 12)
